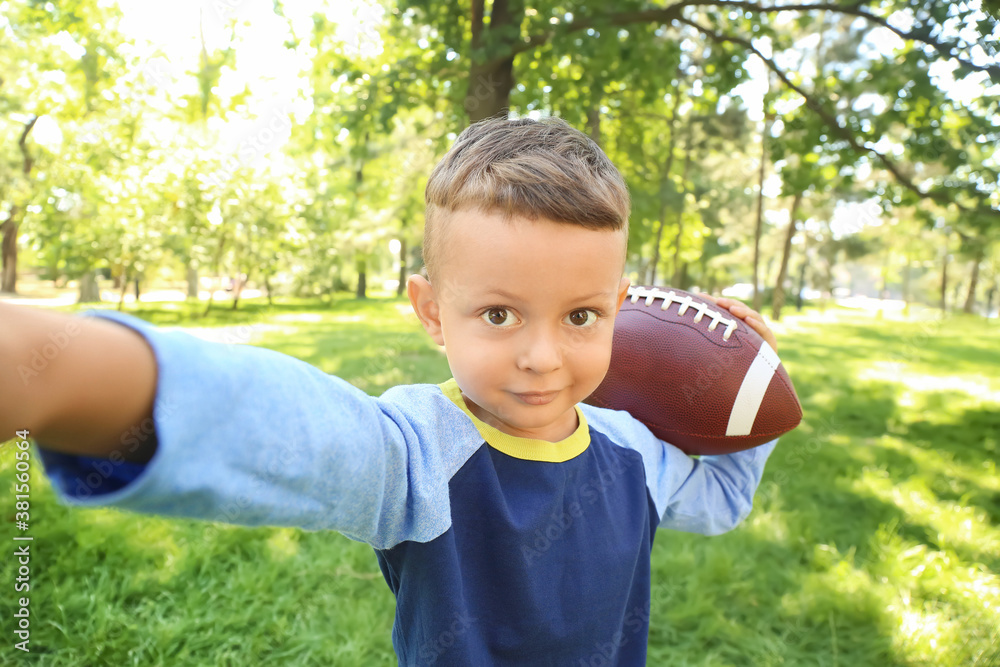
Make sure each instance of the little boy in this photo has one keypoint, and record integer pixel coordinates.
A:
(513, 523)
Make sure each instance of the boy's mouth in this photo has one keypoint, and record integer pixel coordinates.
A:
(537, 397)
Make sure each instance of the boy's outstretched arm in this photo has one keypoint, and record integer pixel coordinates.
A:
(79, 384)
(242, 434)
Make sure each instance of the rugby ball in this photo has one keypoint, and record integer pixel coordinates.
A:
(698, 377)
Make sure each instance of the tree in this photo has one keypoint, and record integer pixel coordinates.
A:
(9, 227)
(505, 42)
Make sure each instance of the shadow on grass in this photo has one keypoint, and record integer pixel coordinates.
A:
(969, 436)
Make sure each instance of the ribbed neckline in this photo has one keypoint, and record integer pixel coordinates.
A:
(528, 449)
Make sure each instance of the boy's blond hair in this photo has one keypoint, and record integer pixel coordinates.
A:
(523, 168)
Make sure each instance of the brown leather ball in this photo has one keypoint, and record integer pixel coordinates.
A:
(698, 377)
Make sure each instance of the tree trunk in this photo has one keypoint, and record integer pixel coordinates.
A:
(362, 264)
(802, 275)
(123, 287)
(970, 298)
(89, 290)
(778, 299)
(659, 235)
(8, 279)
(9, 228)
(906, 282)
(241, 281)
(757, 297)
(678, 270)
(594, 124)
(883, 292)
(211, 298)
(215, 266)
(489, 89)
(401, 286)
(137, 291)
(491, 76)
(944, 280)
(664, 179)
(802, 284)
(828, 282)
(267, 286)
(192, 281)
(360, 259)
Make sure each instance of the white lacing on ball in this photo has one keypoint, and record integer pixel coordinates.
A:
(685, 302)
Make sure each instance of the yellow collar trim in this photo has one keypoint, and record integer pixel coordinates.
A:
(528, 449)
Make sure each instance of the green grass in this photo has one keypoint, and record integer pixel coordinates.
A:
(875, 539)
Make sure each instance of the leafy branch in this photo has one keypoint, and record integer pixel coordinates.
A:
(936, 194)
(674, 12)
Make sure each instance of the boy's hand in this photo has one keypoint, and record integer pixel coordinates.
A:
(95, 384)
(752, 318)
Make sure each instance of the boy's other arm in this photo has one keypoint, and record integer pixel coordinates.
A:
(713, 494)
(79, 384)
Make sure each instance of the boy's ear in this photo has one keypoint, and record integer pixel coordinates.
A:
(622, 292)
(425, 305)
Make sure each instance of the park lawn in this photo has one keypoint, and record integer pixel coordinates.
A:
(874, 539)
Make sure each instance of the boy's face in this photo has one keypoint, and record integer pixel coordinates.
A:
(524, 306)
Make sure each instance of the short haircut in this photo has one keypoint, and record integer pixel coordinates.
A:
(524, 168)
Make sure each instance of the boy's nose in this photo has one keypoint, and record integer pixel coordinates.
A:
(542, 351)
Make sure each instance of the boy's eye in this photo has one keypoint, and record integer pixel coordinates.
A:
(497, 317)
(502, 318)
(583, 318)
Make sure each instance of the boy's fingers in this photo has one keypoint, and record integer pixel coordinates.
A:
(737, 308)
(757, 324)
(751, 317)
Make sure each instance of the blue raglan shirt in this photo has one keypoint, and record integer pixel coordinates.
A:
(500, 550)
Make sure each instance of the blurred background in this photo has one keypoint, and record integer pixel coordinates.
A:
(253, 172)
(283, 147)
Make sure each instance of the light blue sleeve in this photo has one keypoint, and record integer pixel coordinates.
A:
(250, 436)
(708, 495)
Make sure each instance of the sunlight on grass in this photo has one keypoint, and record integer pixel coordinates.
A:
(951, 524)
(769, 526)
(979, 387)
(920, 631)
(299, 317)
(152, 539)
(939, 603)
(283, 543)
